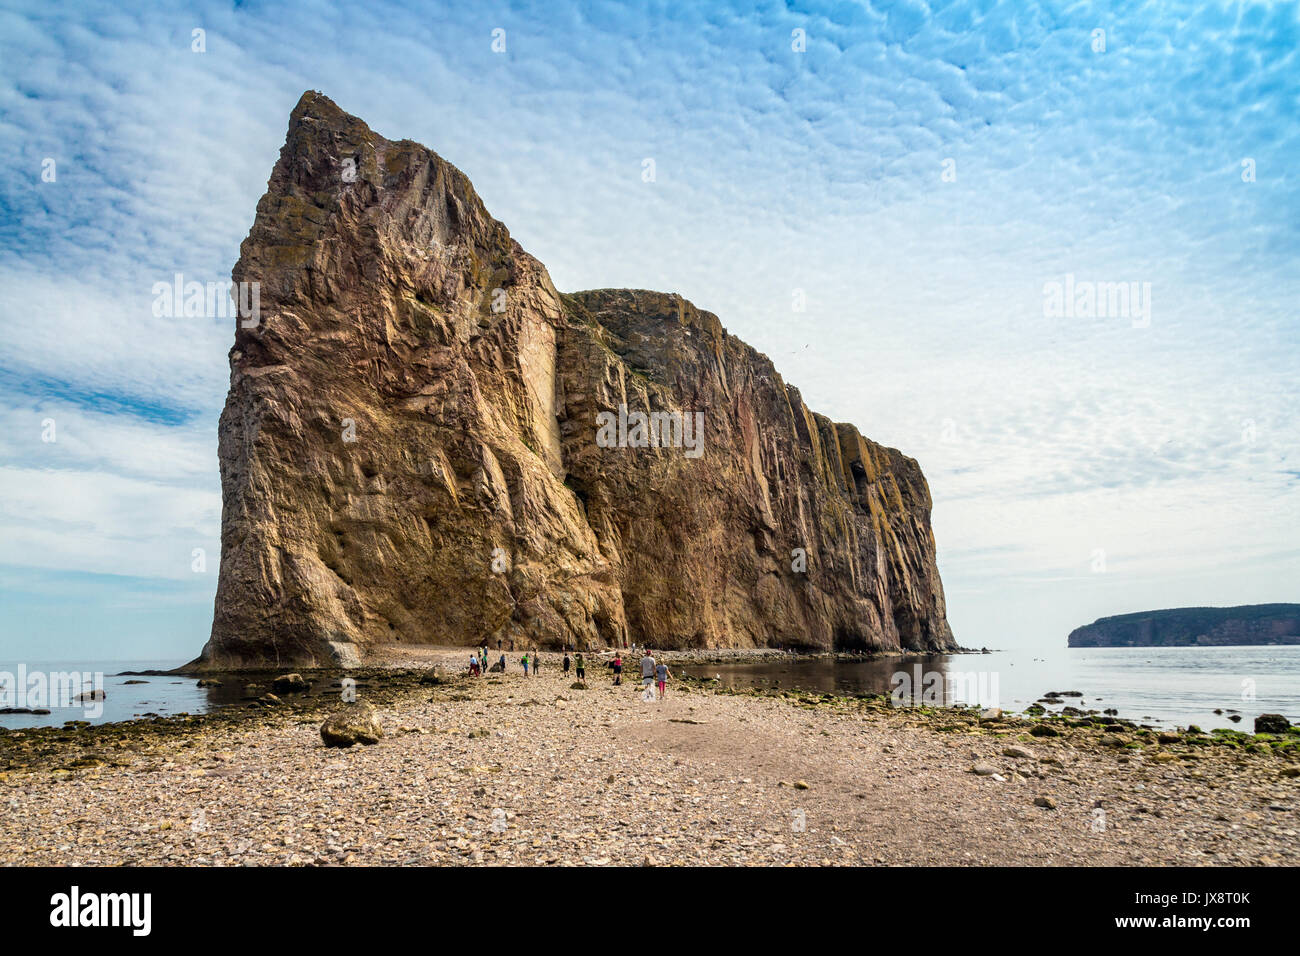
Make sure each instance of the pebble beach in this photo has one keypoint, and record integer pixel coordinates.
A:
(511, 770)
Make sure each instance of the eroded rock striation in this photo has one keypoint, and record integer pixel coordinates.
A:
(411, 448)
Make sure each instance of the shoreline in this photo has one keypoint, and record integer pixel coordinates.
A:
(710, 775)
(399, 662)
(413, 655)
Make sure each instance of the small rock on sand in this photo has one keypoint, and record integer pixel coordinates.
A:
(290, 684)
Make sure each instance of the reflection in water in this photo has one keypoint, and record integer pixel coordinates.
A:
(855, 677)
(933, 680)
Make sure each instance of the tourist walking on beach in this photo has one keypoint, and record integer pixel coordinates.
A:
(618, 668)
(502, 662)
(581, 666)
(524, 661)
(566, 664)
(537, 662)
(647, 670)
(661, 676)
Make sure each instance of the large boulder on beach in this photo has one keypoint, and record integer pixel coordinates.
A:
(1271, 724)
(411, 452)
(356, 724)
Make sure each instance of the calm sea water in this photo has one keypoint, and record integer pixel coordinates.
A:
(1161, 686)
(164, 696)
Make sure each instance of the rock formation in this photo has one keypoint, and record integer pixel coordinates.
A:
(1194, 627)
(410, 451)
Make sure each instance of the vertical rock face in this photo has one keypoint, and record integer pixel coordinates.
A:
(412, 448)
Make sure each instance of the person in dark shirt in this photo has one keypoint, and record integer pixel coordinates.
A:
(647, 670)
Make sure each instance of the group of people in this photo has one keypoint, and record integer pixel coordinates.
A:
(652, 672)
(478, 663)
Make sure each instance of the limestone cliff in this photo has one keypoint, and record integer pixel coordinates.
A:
(410, 453)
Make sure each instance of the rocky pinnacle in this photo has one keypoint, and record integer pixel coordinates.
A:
(424, 442)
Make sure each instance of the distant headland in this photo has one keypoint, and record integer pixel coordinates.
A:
(1250, 624)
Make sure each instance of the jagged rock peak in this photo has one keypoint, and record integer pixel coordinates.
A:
(424, 442)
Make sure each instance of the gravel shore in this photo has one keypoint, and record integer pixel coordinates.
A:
(512, 770)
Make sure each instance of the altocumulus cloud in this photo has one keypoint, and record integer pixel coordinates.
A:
(915, 175)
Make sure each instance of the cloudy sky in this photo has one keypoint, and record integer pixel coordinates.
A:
(920, 174)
